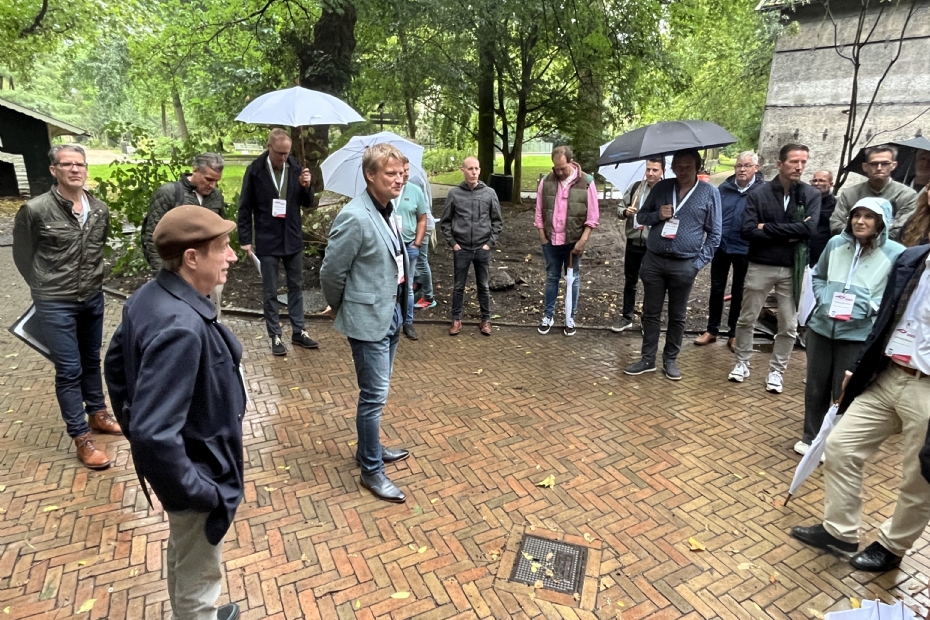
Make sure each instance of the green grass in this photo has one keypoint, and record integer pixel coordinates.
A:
(533, 166)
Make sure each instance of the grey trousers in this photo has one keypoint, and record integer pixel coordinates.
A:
(294, 270)
(195, 573)
(661, 275)
(760, 280)
(827, 363)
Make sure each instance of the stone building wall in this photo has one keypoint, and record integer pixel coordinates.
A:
(810, 85)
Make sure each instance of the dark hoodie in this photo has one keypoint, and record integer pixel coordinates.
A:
(471, 217)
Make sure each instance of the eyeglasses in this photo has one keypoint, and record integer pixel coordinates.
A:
(743, 166)
(71, 165)
(880, 164)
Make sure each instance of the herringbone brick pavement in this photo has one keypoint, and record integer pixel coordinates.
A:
(641, 465)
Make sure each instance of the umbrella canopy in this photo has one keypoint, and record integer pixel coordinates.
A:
(342, 171)
(296, 107)
(622, 176)
(811, 460)
(907, 154)
(664, 139)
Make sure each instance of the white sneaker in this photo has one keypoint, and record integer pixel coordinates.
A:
(740, 372)
(545, 325)
(773, 383)
(802, 448)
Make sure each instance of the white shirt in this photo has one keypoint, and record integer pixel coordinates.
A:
(916, 320)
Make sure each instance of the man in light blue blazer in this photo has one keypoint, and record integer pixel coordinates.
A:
(365, 277)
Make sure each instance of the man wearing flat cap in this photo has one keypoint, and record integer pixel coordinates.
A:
(175, 384)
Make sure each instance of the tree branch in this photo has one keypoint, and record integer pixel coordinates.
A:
(36, 23)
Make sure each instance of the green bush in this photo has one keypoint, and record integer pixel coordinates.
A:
(436, 161)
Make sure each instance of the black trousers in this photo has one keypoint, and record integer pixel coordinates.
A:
(663, 276)
(631, 262)
(462, 260)
(719, 272)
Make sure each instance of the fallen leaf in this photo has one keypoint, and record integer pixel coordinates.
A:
(479, 371)
(82, 562)
(527, 556)
(588, 537)
(15, 354)
(549, 556)
(761, 473)
(87, 605)
(296, 387)
(303, 557)
(434, 500)
(134, 572)
(2, 488)
(538, 584)
(549, 573)
(352, 443)
(815, 613)
(269, 489)
(576, 596)
(6, 610)
(773, 577)
(412, 547)
(746, 566)
(854, 602)
(422, 549)
(49, 508)
(696, 545)
(547, 482)
(620, 604)
(358, 604)
(401, 595)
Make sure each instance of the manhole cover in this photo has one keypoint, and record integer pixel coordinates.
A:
(559, 565)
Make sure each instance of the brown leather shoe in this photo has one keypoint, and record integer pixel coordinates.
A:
(486, 328)
(705, 338)
(731, 344)
(89, 455)
(104, 422)
(456, 328)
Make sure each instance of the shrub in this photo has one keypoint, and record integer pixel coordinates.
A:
(443, 160)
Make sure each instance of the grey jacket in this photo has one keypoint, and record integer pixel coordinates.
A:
(359, 275)
(902, 198)
(471, 217)
(168, 197)
(57, 258)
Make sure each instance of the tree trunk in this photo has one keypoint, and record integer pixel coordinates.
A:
(164, 119)
(486, 107)
(586, 133)
(179, 114)
(411, 117)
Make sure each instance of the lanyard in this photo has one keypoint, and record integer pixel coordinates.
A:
(787, 200)
(278, 185)
(675, 206)
(854, 266)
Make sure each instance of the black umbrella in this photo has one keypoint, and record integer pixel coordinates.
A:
(664, 139)
(907, 154)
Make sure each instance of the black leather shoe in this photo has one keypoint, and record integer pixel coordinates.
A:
(875, 559)
(410, 332)
(228, 612)
(818, 536)
(383, 488)
(389, 455)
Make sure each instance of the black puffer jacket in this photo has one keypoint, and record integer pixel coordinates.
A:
(58, 258)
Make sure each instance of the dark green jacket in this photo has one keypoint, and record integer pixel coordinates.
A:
(58, 258)
(577, 213)
(165, 199)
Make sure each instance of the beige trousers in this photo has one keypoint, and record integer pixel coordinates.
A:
(896, 403)
(760, 280)
(195, 572)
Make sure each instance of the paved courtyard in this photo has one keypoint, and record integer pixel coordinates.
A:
(643, 469)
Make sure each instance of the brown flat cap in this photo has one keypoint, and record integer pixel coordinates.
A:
(188, 226)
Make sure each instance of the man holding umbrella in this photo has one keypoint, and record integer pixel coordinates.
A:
(274, 189)
(886, 393)
(684, 216)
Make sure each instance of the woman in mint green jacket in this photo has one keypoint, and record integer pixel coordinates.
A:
(848, 282)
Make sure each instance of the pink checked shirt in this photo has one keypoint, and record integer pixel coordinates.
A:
(560, 209)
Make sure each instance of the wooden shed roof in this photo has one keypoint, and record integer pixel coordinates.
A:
(56, 127)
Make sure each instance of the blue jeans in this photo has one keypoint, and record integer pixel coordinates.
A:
(374, 362)
(413, 254)
(73, 332)
(423, 275)
(557, 257)
(294, 272)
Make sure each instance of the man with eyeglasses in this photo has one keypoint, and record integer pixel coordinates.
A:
(274, 189)
(880, 161)
(58, 242)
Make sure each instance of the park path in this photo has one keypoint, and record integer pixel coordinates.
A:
(641, 467)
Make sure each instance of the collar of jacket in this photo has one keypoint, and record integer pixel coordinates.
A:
(182, 289)
(64, 203)
(464, 185)
(186, 182)
(292, 164)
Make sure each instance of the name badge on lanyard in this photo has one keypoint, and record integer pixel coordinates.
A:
(278, 205)
(670, 229)
(841, 307)
(901, 345)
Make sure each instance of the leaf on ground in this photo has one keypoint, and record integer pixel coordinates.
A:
(401, 595)
(87, 605)
(296, 387)
(696, 545)
(773, 577)
(285, 468)
(134, 572)
(49, 508)
(548, 482)
(269, 489)
(479, 371)
(303, 557)
(494, 554)
(528, 556)
(434, 500)
(816, 614)
(535, 566)
(588, 537)
(576, 596)
(538, 584)
(854, 602)
(422, 549)
(6, 610)
(352, 443)
(412, 547)
(747, 566)
(358, 604)
(2, 488)
(549, 556)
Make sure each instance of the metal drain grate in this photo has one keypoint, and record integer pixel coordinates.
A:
(559, 565)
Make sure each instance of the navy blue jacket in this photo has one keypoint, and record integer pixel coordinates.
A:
(774, 243)
(732, 204)
(274, 236)
(175, 371)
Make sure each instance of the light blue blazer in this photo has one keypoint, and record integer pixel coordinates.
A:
(359, 274)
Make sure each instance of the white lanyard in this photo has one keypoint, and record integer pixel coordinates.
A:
(278, 186)
(854, 266)
(675, 206)
(787, 200)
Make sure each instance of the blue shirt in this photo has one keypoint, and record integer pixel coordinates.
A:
(699, 224)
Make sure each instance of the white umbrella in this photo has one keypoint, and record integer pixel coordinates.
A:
(810, 460)
(569, 283)
(342, 170)
(296, 107)
(622, 176)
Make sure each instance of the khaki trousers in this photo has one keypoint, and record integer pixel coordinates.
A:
(760, 280)
(896, 403)
(195, 574)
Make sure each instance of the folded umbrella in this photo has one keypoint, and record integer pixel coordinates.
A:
(811, 460)
(569, 283)
(664, 139)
